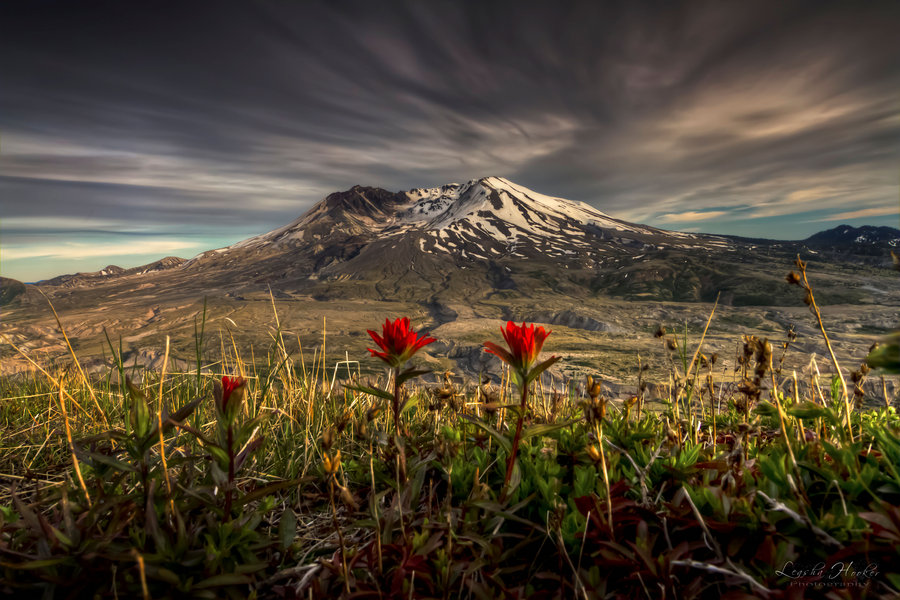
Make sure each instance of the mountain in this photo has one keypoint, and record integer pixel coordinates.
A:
(457, 240)
(111, 271)
(10, 290)
(846, 235)
(458, 258)
(867, 240)
(491, 237)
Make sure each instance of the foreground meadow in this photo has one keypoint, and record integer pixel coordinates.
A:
(265, 477)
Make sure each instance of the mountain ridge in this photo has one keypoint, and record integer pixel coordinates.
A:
(485, 237)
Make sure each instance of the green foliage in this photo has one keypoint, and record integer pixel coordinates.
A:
(246, 504)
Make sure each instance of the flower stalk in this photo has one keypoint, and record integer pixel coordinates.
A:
(524, 344)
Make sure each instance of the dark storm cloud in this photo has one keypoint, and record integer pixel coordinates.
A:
(180, 114)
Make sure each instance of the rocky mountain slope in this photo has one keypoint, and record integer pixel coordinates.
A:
(460, 256)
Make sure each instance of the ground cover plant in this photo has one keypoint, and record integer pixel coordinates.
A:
(257, 477)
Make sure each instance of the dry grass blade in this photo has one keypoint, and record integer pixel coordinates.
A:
(761, 589)
(159, 420)
(62, 406)
(837, 367)
(84, 379)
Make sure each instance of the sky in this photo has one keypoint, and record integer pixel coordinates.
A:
(134, 130)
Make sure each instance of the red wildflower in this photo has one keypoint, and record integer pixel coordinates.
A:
(524, 343)
(231, 386)
(397, 342)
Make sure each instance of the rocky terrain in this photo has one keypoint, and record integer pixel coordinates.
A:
(459, 259)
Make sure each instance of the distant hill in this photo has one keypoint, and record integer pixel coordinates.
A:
(865, 240)
(10, 290)
(112, 271)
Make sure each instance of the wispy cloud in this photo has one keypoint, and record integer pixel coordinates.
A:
(77, 251)
(881, 211)
(691, 216)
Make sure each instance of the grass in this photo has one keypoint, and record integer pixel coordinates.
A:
(758, 487)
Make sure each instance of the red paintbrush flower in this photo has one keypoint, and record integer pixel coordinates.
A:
(524, 343)
(230, 393)
(397, 342)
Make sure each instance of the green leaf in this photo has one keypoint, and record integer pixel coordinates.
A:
(163, 575)
(766, 409)
(894, 578)
(218, 454)
(223, 580)
(410, 403)
(886, 355)
(104, 459)
(287, 528)
(501, 439)
(540, 368)
(807, 410)
(369, 390)
(175, 418)
(409, 374)
(835, 389)
(544, 429)
(140, 410)
(34, 564)
(270, 488)
(516, 478)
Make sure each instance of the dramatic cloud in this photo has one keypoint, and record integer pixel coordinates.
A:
(224, 120)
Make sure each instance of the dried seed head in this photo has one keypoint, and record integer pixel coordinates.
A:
(342, 422)
(748, 388)
(348, 498)
(491, 407)
(671, 344)
(332, 464)
(660, 331)
(372, 413)
(327, 439)
(766, 348)
(793, 279)
(593, 453)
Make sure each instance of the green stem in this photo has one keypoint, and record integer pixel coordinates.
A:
(515, 444)
(398, 440)
(396, 401)
(230, 488)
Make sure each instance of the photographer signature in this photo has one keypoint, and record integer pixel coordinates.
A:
(822, 570)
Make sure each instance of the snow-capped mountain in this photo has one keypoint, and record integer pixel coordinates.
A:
(468, 242)
(483, 219)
